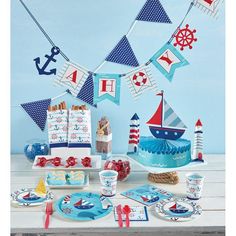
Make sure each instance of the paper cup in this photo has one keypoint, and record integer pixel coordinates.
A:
(108, 179)
(194, 183)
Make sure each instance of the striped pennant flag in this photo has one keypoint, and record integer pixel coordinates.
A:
(140, 80)
(37, 110)
(123, 54)
(153, 11)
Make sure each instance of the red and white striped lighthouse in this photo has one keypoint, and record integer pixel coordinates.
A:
(198, 141)
(134, 134)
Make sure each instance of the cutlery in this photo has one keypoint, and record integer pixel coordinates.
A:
(126, 211)
(119, 213)
(49, 212)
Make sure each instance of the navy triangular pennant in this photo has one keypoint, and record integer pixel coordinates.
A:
(153, 11)
(86, 92)
(123, 54)
(37, 110)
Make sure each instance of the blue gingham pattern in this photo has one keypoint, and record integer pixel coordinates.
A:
(37, 110)
(86, 92)
(153, 11)
(123, 54)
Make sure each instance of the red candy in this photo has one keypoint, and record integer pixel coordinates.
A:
(71, 161)
(42, 161)
(121, 166)
(56, 161)
(86, 162)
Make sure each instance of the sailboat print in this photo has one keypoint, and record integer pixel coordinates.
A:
(31, 197)
(149, 198)
(83, 204)
(178, 209)
(165, 124)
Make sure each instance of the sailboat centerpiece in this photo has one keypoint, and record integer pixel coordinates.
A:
(165, 124)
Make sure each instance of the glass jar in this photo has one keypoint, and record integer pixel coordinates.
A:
(121, 164)
(35, 147)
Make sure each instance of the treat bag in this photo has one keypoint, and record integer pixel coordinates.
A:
(79, 132)
(57, 128)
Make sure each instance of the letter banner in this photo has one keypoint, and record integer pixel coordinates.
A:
(167, 60)
(140, 80)
(210, 7)
(72, 76)
(107, 86)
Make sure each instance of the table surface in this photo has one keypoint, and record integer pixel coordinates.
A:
(30, 219)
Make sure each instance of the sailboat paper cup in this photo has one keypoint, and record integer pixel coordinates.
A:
(194, 183)
(108, 180)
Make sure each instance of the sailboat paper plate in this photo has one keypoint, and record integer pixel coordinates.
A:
(83, 206)
(178, 209)
(28, 197)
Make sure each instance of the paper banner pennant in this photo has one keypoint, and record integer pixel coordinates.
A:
(123, 54)
(72, 76)
(167, 60)
(37, 110)
(87, 91)
(153, 11)
(107, 86)
(210, 7)
(140, 80)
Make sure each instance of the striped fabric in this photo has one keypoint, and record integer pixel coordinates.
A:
(170, 117)
(87, 90)
(123, 54)
(153, 11)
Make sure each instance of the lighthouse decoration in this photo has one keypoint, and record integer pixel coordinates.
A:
(134, 134)
(198, 142)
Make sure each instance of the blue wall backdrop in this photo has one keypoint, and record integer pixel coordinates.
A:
(86, 31)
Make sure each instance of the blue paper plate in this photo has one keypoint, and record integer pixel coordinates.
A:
(83, 206)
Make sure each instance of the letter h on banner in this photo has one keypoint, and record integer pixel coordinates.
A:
(107, 86)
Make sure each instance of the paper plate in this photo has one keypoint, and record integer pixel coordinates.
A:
(156, 170)
(28, 197)
(83, 206)
(178, 209)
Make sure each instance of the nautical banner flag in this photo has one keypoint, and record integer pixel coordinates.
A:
(37, 110)
(153, 11)
(210, 7)
(140, 80)
(72, 76)
(167, 60)
(123, 54)
(87, 91)
(107, 86)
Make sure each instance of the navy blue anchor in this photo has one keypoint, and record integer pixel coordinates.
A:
(54, 51)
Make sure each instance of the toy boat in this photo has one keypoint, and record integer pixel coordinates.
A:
(178, 209)
(31, 197)
(165, 124)
(83, 204)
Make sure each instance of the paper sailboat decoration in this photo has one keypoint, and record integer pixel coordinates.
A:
(165, 124)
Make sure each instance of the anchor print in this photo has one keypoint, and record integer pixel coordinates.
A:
(42, 71)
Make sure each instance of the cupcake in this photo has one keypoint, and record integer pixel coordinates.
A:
(56, 178)
(76, 177)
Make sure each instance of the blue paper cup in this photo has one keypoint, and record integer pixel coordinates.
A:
(108, 179)
(194, 183)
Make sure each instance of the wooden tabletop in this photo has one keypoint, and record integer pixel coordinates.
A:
(212, 221)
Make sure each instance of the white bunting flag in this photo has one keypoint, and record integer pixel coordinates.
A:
(72, 77)
(140, 80)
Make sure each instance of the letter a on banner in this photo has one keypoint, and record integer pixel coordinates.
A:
(72, 77)
(107, 86)
(167, 60)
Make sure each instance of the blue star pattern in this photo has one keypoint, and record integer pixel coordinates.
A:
(37, 110)
(123, 54)
(153, 11)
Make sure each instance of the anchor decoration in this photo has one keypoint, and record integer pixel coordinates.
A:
(42, 71)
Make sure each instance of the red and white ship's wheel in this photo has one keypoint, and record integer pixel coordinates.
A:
(185, 38)
(140, 79)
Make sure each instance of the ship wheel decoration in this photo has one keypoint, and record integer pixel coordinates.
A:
(185, 37)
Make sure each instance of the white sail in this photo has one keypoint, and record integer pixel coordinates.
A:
(170, 118)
